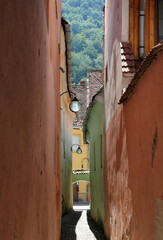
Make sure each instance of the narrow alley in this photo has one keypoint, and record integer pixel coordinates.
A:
(81, 119)
(78, 224)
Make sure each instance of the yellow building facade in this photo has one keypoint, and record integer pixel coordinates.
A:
(80, 162)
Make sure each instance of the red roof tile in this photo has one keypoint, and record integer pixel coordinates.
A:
(127, 58)
(141, 70)
(84, 94)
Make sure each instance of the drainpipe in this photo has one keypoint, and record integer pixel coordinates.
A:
(68, 56)
(67, 32)
(142, 28)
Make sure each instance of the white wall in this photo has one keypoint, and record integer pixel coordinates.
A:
(125, 20)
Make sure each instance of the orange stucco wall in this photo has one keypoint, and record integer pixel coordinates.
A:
(133, 170)
(30, 199)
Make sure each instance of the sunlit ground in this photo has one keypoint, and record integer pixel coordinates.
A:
(80, 206)
(83, 230)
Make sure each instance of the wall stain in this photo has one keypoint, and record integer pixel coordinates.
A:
(46, 3)
(44, 158)
(56, 9)
(155, 140)
(39, 51)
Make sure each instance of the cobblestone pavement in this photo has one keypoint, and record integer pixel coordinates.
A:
(79, 225)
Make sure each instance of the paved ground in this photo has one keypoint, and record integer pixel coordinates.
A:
(80, 206)
(77, 224)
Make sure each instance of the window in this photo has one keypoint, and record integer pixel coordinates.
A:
(160, 20)
(94, 156)
(75, 140)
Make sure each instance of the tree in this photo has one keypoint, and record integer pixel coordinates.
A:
(91, 52)
(99, 61)
(79, 43)
(86, 20)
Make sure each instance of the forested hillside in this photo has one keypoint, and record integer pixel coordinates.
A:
(86, 19)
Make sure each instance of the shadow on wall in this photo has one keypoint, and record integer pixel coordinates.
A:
(97, 230)
(68, 227)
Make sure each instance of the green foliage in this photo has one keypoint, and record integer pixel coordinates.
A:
(86, 19)
(98, 61)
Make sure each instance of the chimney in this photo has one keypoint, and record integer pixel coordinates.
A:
(82, 82)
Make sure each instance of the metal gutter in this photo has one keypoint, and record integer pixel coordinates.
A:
(67, 32)
(142, 28)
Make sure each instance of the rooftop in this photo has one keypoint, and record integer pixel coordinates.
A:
(127, 58)
(85, 94)
(141, 70)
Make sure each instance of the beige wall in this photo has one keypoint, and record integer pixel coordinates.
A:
(66, 134)
(112, 61)
(125, 20)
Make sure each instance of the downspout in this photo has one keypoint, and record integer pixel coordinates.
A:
(67, 31)
(68, 56)
(142, 29)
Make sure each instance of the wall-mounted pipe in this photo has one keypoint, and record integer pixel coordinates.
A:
(142, 28)
(67, 31)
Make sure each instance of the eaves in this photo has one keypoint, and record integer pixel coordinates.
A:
(95, 98)
(141, 70)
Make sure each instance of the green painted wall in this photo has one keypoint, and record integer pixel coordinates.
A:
(66, 173)
(80, 177)
(95, 137)
(66, 159)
